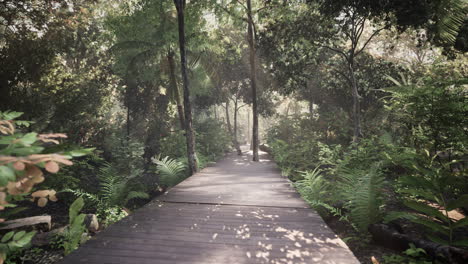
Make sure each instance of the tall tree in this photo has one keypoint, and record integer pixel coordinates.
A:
(253, 79)
(189, 133)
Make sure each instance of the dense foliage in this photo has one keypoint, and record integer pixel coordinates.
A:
(363, 105)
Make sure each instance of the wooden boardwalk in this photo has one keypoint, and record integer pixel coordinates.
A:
(235, 212)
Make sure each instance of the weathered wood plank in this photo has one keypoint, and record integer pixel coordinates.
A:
(234, 212)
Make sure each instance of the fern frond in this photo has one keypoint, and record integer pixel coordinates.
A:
(362, 192)
(170, 171)
(81, 193)
(450, 17)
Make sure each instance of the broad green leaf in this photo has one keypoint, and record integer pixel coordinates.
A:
(7, 236)
(26, 239)
(437, 239)
(26, 151)
(23, 123)
(422, 193)
(19, 235)
(427, 210)
(461, 223)
(397, 215)
(29, 139)
(6, 174)
(10, 115)
(437, 227)
(80, 152)
(461, 243)
(6, 140)
(75, 208)
(461, 201)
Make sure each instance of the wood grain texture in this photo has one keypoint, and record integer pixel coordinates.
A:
(235, 212)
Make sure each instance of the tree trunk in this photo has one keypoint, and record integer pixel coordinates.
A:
(236, 141)
(189, 133)
(356, 104)
(253, 80)
(175, 88)
(232, 133)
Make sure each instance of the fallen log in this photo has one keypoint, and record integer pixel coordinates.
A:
(389, 237)
(28, 221)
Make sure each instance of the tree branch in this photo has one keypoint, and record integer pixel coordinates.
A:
(369, 39)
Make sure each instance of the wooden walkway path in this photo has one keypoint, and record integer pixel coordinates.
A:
(235, 212)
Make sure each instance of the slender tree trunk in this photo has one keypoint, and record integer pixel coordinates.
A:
(128, 123)
(253, 80)
(175, 88)
(189, 133)
(356, 104)
(228, 119)
(249, 138)
(232, 133)
(236, 110)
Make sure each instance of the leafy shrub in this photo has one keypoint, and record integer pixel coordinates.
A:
(429, 192)
(212, 139)
(432, 111)
(115, 192)
(22, 156)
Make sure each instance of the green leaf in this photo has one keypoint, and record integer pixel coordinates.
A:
(438, 240)
(437, 227)
(23, 123)
(421, 193)
(461, 243)
(29, 139)
(19, 235)
(461, 223)
(80, 152)
(26, 239)
(426, 209)
(6, 140)
(6, 174)
(11, 212)
(396, 215)
(10, 115)
(75, 208)
(7, 236)
(26, 151)
(461, 201)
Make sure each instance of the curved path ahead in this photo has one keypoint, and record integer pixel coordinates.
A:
(235, 212)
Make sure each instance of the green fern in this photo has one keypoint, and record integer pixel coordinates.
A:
(313, 187)
(363, 192)
(170, 171)
(81, 193)
(315, 190)
(115, 190)
(451, 15)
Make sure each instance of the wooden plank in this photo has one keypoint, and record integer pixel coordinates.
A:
(265, 222)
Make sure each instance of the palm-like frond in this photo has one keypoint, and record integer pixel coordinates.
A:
(451, 16)
(170, 171)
